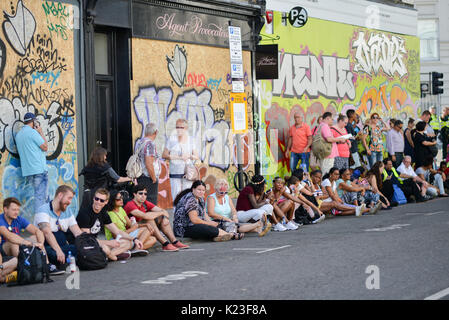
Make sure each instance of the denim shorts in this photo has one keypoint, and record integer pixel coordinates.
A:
(135, 233)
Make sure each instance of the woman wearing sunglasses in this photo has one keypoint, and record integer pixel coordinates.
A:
(373, 132)
(221, 209)
(118, 216)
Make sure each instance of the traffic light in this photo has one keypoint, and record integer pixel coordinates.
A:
(437, 84)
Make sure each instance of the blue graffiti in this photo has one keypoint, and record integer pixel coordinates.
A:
(48, 77)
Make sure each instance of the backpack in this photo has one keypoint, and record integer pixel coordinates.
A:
(31, 266)
(134, 165)
(398, 195)
(90, 256)
(320, 147)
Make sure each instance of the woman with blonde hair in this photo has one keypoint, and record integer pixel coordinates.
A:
(221, 209)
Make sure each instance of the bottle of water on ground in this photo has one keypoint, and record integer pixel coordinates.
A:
(71, 263)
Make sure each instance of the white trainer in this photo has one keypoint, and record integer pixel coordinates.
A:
(291, 226)
(279, 227)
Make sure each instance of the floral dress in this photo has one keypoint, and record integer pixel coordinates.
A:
(376, 139)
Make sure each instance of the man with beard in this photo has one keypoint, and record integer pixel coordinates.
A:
(54, 220)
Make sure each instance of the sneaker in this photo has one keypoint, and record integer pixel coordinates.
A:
(124, 256)
(169, 248)
(321, 218)
(358, 211)
(139, 253)
(376, 208)
(181, 245)
(279, 227)
(291, 226)
(54, 271)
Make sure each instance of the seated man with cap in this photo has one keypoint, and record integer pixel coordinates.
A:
(32, 147)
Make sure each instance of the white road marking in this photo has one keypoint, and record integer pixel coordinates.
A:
(249, 249)
(174, 277)
(431, 214)
(274, 249)
(393, 227)
(438, 295)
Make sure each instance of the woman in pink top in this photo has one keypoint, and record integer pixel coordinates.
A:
(327, 163)
(342, 161)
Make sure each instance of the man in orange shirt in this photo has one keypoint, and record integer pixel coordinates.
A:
(299, 142)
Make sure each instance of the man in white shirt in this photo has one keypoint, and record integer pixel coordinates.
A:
(406, 171)
(395, 143)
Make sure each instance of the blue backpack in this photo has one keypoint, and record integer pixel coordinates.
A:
(398, 195)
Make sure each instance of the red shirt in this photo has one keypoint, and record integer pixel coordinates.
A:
(299, 137)
(132, 205)
(243, 203)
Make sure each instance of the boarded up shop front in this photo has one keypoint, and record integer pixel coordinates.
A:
(181, 69)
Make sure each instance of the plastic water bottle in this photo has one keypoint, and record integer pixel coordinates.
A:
(71, 261)
(133, 220)
(304, 167)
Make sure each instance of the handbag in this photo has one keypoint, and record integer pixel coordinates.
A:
(191, 172)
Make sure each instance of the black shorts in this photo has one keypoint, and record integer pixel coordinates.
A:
(5, 258)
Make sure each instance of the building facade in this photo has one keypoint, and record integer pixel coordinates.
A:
(362, 56)
(95, 72)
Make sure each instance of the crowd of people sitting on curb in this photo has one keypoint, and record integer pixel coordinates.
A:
(354, 177)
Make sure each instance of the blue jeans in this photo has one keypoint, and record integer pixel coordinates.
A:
(40, 183)
(374, 157)
(295, 157)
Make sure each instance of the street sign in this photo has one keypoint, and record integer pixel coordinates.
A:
(235, 44)
(237, 70)
(239, 112)
(298, 17)
(238, 86)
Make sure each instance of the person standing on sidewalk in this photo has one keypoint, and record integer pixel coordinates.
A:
(32, 147)
(327, 163)
(299, 142)
(445, 131)
(396, 143)
(374, 131)
(150, 162)
(354, 130)
(180, 150)
(342, 161)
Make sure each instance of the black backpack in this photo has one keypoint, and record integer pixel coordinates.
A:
(90, 256)
(32, 266)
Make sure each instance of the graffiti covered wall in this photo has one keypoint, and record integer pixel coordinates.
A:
(329, 66)
(173, 81)
(37, 75)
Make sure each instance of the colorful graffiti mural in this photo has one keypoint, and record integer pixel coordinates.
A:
(190, 82)
(37, 75)
(345, 67)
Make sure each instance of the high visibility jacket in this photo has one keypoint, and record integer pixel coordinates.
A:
(395, 174)
(445, 123)
(434, 122)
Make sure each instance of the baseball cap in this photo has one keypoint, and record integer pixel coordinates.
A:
(28, 117)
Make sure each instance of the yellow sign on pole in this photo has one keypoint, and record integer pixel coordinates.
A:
(239, 112)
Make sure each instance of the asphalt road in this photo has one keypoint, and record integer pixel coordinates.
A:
(399, 254)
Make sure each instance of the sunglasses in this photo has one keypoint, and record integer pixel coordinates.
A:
(142, 193)
(59, 226)
(100, 200)
(222, 192)
(118, 199)
(179, 127)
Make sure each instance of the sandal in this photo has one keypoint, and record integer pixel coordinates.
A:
(238, 236)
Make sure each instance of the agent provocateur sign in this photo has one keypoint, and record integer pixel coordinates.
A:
(184, 26)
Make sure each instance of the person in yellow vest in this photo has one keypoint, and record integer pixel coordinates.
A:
(434, 123)
(444, 136)
(408, 186)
